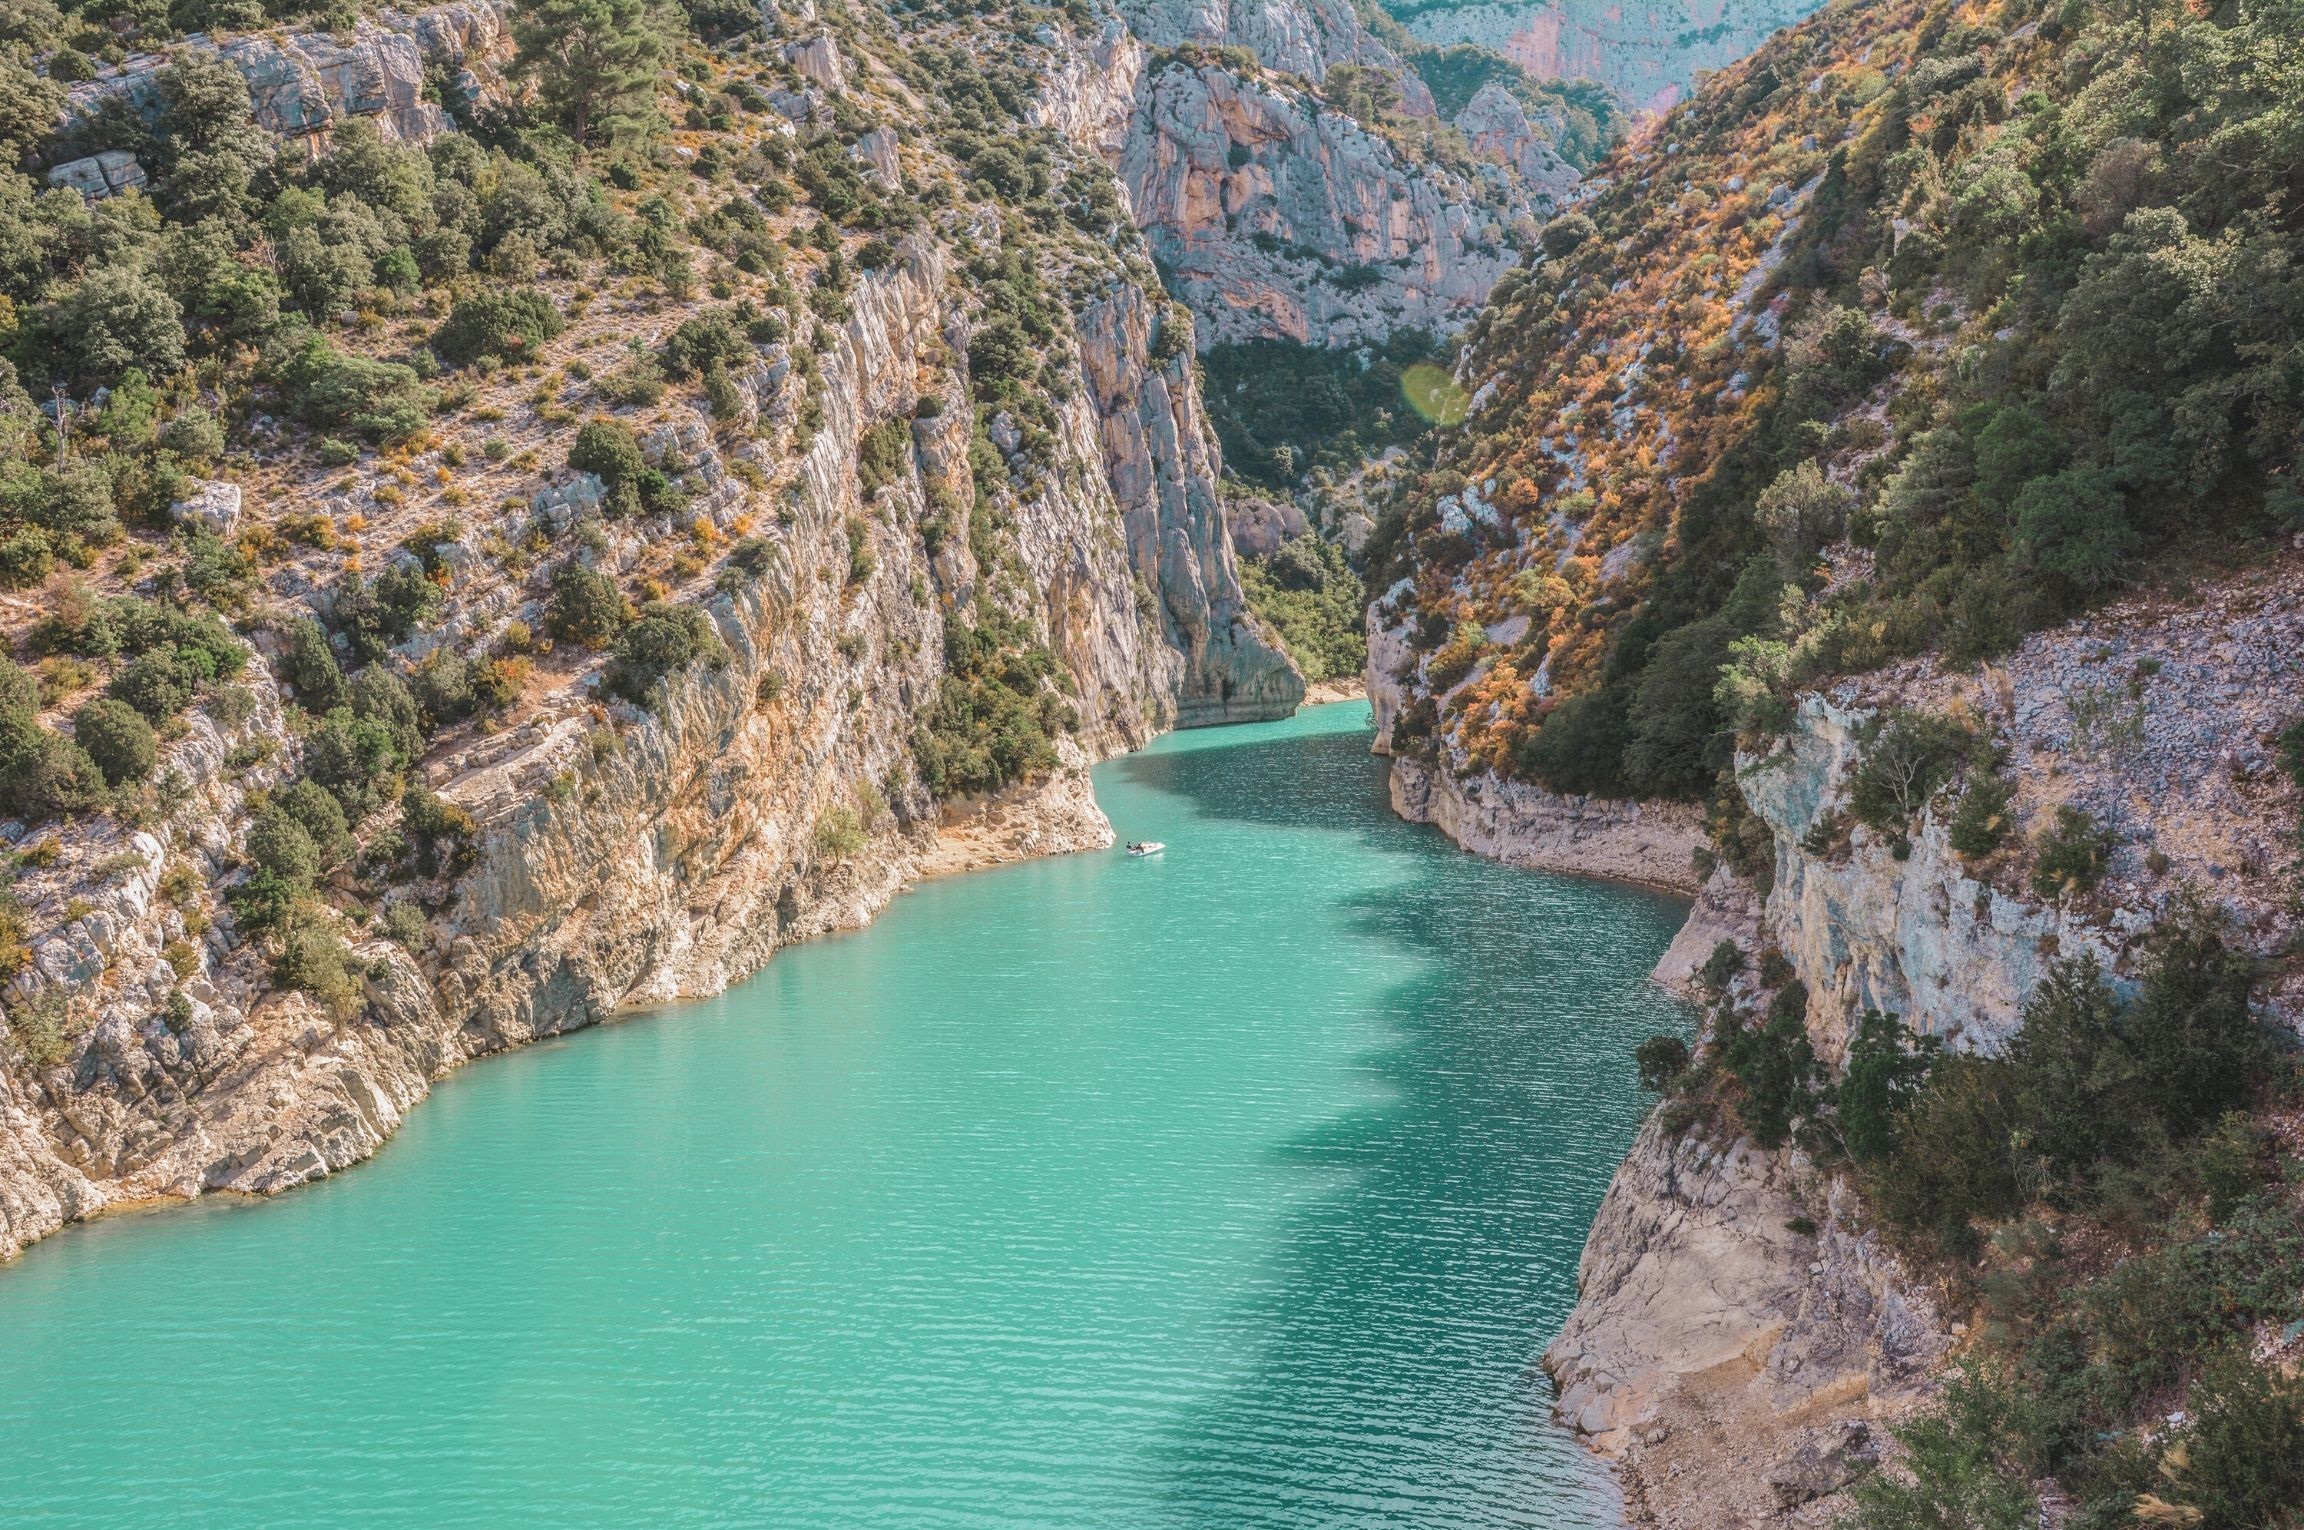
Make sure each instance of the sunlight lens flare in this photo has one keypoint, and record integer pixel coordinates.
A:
(1432, 393)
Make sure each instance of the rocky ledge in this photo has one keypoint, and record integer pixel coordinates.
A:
(1740, 1335)
(1521, 824)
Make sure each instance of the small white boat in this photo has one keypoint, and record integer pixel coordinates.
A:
(1145, 847)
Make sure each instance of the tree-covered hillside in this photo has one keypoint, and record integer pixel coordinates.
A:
(1927, 325)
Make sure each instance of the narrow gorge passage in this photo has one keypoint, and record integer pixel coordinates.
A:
(1237, 1187)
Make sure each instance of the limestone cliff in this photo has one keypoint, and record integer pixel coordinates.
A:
(1276, 212)
(620, 855)
(303, 84)
(1276, 217)
(1741, 1334)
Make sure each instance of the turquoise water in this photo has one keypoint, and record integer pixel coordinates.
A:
(1235, 1188)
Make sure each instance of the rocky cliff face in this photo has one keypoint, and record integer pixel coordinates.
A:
(622, 856)
(1647, 52)
(1275, 213)
(1653, 843)
(303, 84)
(1741, 1335)
(2153, 718)
(1278, 218)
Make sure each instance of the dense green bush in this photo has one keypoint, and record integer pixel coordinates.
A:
(1778, 1068)
(380, 400)
(1966, 1465)
(42, 773)
(665, 639)
(313, 959)
(308, 664)
(586, 607)
(1661, 1061)
(2074, 853)
(1908, 757)
(883, 455)
(704, 342)
(438, 832)
(360, 752)
(375, 616)
(1885, 1069)
(117, 738)
(609, 451)
(995, 720)
(1281, 409)
(510, 324)
(1981, 822)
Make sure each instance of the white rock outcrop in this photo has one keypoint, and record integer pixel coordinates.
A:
(212, 506)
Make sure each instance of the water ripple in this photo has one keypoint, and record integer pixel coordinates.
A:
(1234, 1190)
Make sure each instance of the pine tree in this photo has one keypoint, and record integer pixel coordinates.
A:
(594, 62)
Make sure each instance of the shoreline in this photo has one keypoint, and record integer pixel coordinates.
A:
(1342, 688)
(1057, 817)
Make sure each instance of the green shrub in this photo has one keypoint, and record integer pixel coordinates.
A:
(277, 843)
(667, 638)
(2243, 1453)
(357, 760)
(443, 689)
(706, 341)
(840, 834)
(994, 721)
(308, 664)
(1982, 820)
(263, 902)
(404, 922)
(311, 808)
(1886, 1068)
(159, 683)
(1909, 756)
(374, 617)
(608, 450)
(611, 452)
(1661, 1061)
(1778, 1068)
(1966, 1465)
(117, 738)
(380, 400)
(26, 559)
(883, 456)
(439, 833)
(313, 959)
(509, 323)
(586, 607)
(2073, 855)
(1310, 596)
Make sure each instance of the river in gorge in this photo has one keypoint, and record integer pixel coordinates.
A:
(1235, 1187)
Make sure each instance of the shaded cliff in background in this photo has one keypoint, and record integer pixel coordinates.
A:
(1297, 179)
(1647, 52)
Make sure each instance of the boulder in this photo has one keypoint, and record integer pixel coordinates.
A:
(1259, 525)
(100, 175)
(212, 506)
(878, 149)
(818, 59)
